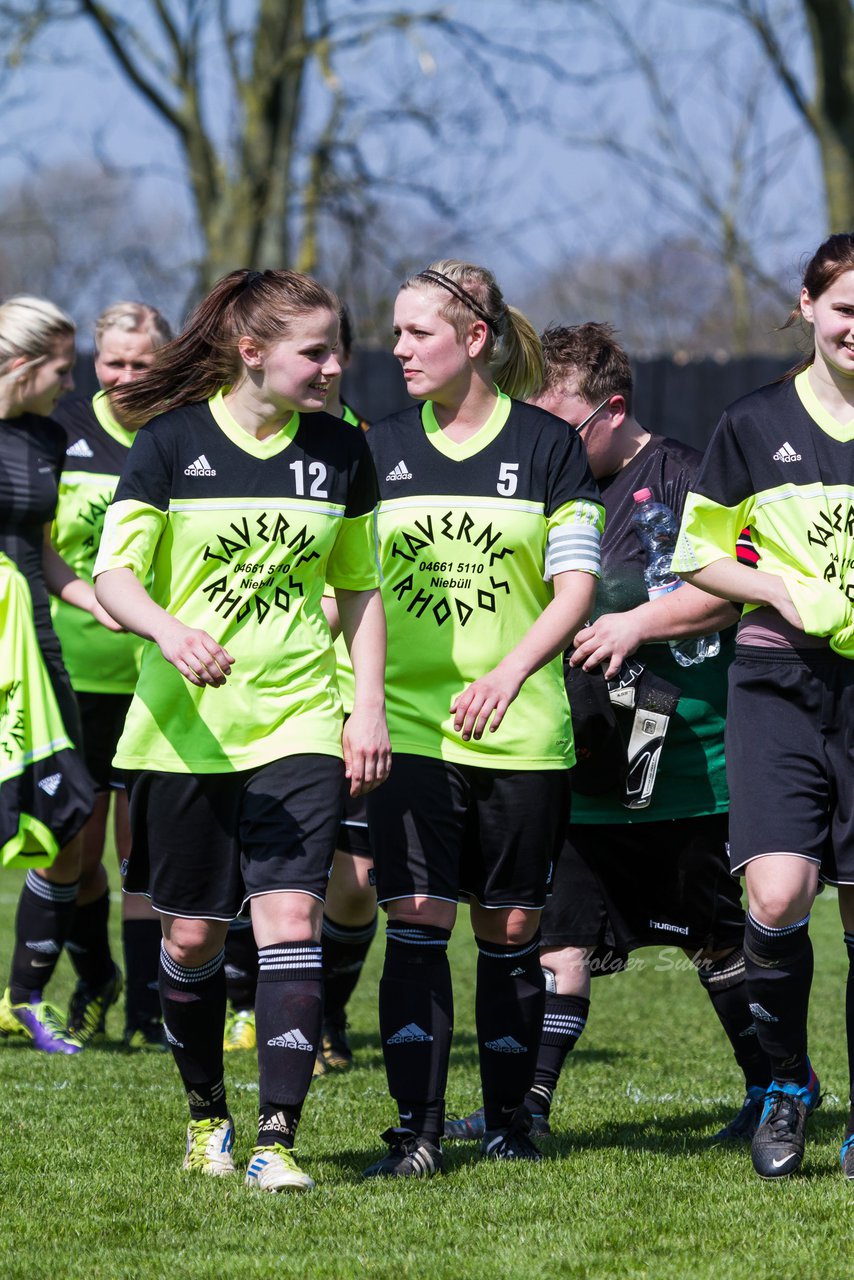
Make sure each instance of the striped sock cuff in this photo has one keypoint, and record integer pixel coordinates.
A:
(182, 977)
(772, 931)
(50, 892)
(514, 951)
(290, 961)
(412, 935)
(721, 975)
(349, 934)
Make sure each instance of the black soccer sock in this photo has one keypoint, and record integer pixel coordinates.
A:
(778, 965)
(725, 983)
(563, 1022)
(88, 942)
(417, 1023)
(288, 1017)
(509, 1007)
(849, 1028)
(345, 948)
(193, 1002)
(45, 915)
(141, 943)
(241, 964)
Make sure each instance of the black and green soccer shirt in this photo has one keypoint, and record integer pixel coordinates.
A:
(470, 537)
(691, 779)
(240, 535)
(783, 466)
(346, 676)
(97, 660)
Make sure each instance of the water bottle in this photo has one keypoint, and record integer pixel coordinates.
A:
(658, 530)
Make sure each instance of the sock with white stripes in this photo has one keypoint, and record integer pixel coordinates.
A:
(241, 964)
(193, 1004)
(509, 1005)
(849, 1027)
(288, 1017)
(416, 1024)
(724, 981)
(45, 915)
(345, 948)
(563, 1022)
(778, 963)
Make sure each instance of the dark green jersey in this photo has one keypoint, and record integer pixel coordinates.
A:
(240, 535)
(97, 660)
(781, 465)
(470, 537)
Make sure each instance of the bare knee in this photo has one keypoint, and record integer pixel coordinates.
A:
(508, 927)
(191, 943)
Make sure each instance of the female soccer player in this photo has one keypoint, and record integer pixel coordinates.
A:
(36, 361)
(781, 463)
(241, 505)
(489, 529)
(103, 670)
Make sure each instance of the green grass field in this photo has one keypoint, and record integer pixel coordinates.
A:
(91, 1152)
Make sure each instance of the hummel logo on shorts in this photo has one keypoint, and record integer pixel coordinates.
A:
(50, 785)
(80, 449)
(410, 1034)
(506, 1045)
(201, 467)
(293, 1039)
(786, 454)
(400, 472)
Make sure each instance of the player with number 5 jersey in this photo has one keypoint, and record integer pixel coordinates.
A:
(489, 526)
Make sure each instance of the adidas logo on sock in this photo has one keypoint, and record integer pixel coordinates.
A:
(410, 1034)
(506, 1044)
(50, 784)
(293, 1039)
(80, 449)
(201, 467)
(171, 1038)
(49, 947)
(400, 472)
(786, 454)
(517, 973)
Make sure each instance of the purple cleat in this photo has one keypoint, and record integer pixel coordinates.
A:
(40, 1021)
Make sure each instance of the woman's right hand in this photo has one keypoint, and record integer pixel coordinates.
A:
(198, 657)
(781, 600)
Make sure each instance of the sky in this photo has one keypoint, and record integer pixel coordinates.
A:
(561, 158)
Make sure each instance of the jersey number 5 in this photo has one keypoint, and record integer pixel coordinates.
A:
(317, 474)
(507, 479)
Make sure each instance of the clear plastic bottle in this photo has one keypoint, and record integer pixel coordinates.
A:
(658, 530)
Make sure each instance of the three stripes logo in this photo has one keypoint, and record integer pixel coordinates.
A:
(50, 784)
(293, 1039)
(410, 1034)
(400, 472)
(506, 1044)
(201, 467)
(786, 454)
(80, 449)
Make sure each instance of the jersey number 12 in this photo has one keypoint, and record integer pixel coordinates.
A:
(317, 474)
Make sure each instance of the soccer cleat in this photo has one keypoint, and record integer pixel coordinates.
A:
(846, 1156)
(742, 1126)
(778, 1143)
(334, 1045)
(472, 1128)
(239, 1030)
(150, 1036)
(87, 1009)
(408, 1157)
(275, 1169)
(40, 1022)
(209, 1146)
(319, 1067)
(512, 1143)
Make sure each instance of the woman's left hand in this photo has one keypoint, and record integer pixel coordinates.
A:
(488, 696)
(367, 750)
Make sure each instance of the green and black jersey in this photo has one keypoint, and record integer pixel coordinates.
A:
(97, 660)
(346, 678)
(240, 535)
(470, 537)
(781, 465)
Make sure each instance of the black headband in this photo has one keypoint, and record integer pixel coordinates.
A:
(463, 295)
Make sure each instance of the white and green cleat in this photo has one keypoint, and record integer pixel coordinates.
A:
(275, 1169)
(209, 1147)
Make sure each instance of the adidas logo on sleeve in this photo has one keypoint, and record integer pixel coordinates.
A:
(400, 472)
(50, 784)
(787, 454)
(201, 467)
(80, 449)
